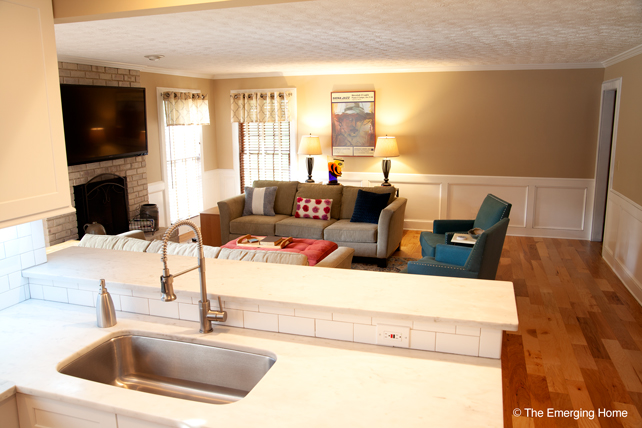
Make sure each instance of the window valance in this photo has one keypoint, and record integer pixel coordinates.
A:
(260, 107)
(186, 108)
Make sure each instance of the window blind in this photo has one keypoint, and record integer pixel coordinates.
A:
(264, 150)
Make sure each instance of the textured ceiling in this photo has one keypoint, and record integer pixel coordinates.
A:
(343, 36)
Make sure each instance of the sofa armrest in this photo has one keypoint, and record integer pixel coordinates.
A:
(390, 227)
(441, 227)
(229, 209)
(340, 258)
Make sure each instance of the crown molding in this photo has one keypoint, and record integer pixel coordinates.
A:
(139, 67)
(623, 56)
(430, 69)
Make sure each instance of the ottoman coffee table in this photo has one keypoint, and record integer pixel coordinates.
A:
(314, 249)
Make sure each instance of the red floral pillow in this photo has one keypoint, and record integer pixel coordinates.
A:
(318, 209)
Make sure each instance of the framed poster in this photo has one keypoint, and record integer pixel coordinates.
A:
(353, 123)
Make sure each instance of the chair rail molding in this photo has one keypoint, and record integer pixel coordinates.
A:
(622, 245)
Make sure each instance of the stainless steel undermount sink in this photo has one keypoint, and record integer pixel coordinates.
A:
(172, 368)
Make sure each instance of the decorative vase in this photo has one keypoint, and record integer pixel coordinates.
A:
(150, 211)
(94, 229)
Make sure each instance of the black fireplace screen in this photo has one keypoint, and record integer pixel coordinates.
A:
(103, 199)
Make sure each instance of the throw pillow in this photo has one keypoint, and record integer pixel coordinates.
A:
(318, 209)
(259, 201)
(368, 206)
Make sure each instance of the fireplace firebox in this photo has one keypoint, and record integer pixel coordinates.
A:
(103, 199)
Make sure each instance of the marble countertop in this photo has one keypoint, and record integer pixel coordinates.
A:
(314, 382)
(466, 302)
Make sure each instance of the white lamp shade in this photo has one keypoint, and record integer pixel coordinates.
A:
(310, 145)
(386, 147)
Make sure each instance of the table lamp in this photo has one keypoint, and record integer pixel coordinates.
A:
(386, 148)
(310, 145)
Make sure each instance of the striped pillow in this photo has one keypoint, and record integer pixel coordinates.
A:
(259, 201)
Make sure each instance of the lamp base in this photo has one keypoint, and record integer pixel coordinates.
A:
(310, 166)
(385, 166)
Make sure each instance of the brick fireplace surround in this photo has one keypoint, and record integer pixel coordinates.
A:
(64, 228)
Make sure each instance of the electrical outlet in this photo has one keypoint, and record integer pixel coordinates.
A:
(393, 335)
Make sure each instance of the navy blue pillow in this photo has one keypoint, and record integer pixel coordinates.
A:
(368, 206)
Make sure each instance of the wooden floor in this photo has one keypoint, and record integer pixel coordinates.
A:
(579, 344)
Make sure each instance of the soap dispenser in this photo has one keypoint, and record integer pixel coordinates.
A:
(105, 312)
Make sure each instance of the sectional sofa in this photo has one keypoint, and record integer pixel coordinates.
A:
(372, 240)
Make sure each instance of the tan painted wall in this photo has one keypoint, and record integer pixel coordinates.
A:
(627, 178)
(496, 123)
(151, 81)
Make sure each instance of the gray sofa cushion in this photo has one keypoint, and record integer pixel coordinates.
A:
(284, 194)
(306, 228)
(320, 191)
(350, 197)
(345, 231)
(255, 224)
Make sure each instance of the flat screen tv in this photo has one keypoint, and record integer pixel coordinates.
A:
(103, 122)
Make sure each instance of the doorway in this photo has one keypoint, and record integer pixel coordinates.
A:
(605, 153)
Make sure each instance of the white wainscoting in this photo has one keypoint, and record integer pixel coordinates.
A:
(622, 248)
(545, 207)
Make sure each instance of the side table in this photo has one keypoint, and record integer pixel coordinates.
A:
(211, 227)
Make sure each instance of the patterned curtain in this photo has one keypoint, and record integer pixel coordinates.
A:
(186, 108)
(262, 107)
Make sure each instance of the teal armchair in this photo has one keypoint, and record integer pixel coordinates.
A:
(479, 261)
(492, 210)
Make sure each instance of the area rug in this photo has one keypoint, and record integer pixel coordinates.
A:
(395, 264)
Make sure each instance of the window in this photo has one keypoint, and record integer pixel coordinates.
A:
(181, 115)
(264, 130)
(183, 169)
(264, 150)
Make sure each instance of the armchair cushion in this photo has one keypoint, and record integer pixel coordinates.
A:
(452, 254)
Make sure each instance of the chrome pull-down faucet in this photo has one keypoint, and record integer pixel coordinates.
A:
(206, 315)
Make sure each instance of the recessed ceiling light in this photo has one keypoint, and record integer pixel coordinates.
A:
(154, 57)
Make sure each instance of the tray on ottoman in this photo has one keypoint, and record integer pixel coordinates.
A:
(314, 249)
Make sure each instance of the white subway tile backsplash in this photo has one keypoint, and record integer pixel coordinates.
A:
(187, 311)
(434, 326)
(9, 265)
(40, 255)
(134, 304)
(24, 230)
(36, 291)
(2, 252)
(4, 283)
(240, 306)
(11, 297)
(55, 294)
(25, 244)
(81, 297)
(234, 318)
(467, 331)
(359, 319)
(163, 309)
(391, 321)
(155, 295)
(320, 315)
(457, 344)
(335, 330)
(365, 333)
(37, 234)
(8, 233)
(490, 343)
(115, 290)
(276, 310)
(27, 260)
(296, 325)
(12, 248)
(260, 321)
(424, 340)
(15, 279)
(66, 284)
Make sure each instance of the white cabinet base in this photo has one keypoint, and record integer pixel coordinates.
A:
(37, 412)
